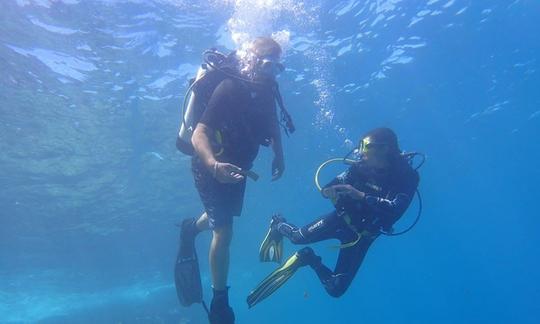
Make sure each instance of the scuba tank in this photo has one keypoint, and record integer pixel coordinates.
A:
(191, 112)
(201, 88)
(216, 68)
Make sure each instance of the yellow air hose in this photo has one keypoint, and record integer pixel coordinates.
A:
(347, 219)
(324, 164)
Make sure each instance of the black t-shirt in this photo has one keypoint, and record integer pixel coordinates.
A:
(244, 115)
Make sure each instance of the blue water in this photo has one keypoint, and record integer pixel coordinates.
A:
(91, 185)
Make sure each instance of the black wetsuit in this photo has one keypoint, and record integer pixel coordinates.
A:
(244, 115)
(388, 195)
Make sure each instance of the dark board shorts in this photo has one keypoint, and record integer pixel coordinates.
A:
(221, 201)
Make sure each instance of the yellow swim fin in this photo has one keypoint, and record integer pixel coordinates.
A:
(279, 277)
(271, 249)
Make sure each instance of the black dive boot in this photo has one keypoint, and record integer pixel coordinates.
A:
(306, 256)
(220, 311)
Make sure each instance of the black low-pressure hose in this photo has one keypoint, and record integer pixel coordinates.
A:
(415, 221)
(411, 156)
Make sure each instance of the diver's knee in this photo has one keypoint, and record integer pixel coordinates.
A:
(337, 286)
(223, 235)
(202, 222)
(335, 292)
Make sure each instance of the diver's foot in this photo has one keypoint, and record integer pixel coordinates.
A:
(220, 311)
(306, 256)
(223, 315)
(188, 232)
(275, 221)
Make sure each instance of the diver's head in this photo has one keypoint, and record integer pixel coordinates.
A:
(379, 147)
(265, 55)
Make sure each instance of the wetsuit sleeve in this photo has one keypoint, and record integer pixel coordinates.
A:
(342, 178)
(219, 105)
(391, 208)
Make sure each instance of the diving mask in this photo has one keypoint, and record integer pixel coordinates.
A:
(270, 65)
(367, 145)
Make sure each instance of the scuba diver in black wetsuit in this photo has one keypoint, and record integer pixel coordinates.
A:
(369, 198)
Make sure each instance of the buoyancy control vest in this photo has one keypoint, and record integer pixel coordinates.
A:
(216, 68)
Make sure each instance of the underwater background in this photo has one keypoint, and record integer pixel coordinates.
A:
(92, 186)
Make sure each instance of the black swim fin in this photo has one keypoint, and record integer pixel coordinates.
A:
(187, 276)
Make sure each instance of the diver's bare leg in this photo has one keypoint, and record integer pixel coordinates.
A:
(202, 223)
(219, 256)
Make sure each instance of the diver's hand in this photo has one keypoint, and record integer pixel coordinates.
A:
(278, 166)
(329, 193)
(332, 192)
(356, 194)
(348, 190)
(337, 191)
(227, 172)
